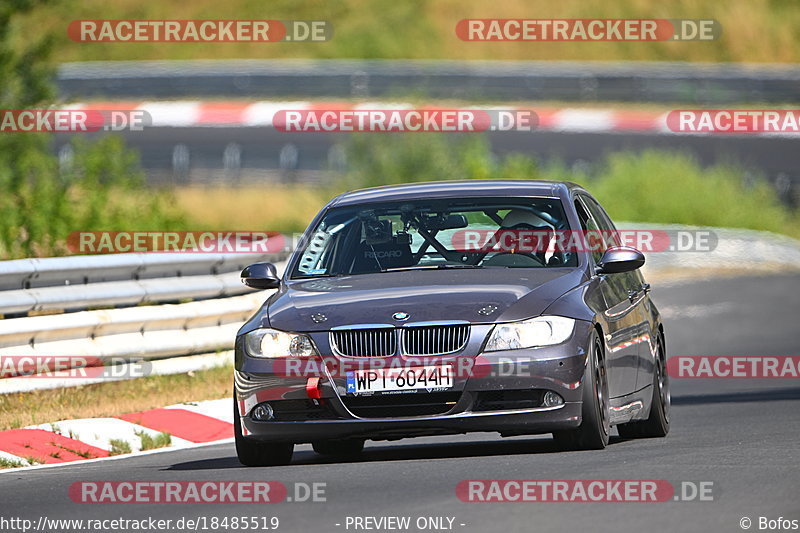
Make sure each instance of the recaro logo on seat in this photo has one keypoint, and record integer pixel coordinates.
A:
(383, 254)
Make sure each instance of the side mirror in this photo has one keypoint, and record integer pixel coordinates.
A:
(261, 276)
(620, 259)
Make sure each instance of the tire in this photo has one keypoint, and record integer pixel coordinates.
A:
(339, 448)
(254, 453)
(593, 432)
(657, 424)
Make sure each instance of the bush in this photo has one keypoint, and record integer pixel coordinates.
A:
(378, 159)
(43, 199)
(651, 186)
(657, 186)
(100, 187)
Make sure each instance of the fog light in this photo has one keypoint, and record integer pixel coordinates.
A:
(551, 399)
(263, 411)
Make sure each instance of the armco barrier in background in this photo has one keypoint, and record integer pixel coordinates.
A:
(687, 83)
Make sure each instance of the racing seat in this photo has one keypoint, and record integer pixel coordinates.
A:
(375, 257)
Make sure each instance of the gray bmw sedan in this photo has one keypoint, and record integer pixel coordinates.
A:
(443, 308)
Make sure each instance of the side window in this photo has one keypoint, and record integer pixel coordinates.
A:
(609, 231)
(599, 214)
(591, 230)
(612, 238)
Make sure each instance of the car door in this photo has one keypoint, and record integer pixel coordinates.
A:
(638, 291)
(622, 314)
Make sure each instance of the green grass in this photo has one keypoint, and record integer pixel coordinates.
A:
(752, 30)
(10, 463)
(667, 187)
(651, 186)
(151, 443)
(103, 189)
(119, 446)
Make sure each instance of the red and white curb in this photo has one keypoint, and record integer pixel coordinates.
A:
(68, 441)
(199, 114)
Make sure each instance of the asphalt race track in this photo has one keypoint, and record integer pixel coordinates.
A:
(739, 434)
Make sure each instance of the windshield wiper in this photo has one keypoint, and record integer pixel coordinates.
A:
(309, 276)
(429, 267)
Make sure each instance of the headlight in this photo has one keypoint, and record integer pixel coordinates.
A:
(271, 343)
(539, 331)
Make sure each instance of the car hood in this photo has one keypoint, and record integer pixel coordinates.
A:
(473, 295)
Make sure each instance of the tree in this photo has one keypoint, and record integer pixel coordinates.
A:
(41, 200)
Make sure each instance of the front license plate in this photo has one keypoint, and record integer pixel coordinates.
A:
(400, 379)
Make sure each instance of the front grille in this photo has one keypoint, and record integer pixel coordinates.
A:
(301, 410)
(394, 405)
(435, 340)
(374, 342)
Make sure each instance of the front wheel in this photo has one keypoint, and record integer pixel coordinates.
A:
(593, 432)
(254, 453)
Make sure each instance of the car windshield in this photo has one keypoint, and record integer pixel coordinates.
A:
(435, 234)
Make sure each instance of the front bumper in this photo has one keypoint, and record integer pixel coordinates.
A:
(522, 422)
(555, 368)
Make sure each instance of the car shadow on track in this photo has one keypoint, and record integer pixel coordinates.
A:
(387, 452)
(767, 395)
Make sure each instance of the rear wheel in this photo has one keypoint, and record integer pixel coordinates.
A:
(254, 453)
(339, 448)
(657, 424)
(593, 432)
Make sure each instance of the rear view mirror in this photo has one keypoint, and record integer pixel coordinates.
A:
(261, 276)
(620, 259)
(445, 222)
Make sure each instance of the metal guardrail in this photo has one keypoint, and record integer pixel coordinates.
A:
(126, 331)
(81, 282)
(690, 83)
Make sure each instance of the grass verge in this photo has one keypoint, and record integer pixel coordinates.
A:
(151, 443)
(752, 30)
(10, 463)
(112, 399)
(653, 186)
(119, 447)
(257, 208)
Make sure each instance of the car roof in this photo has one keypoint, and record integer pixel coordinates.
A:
(455, 188)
